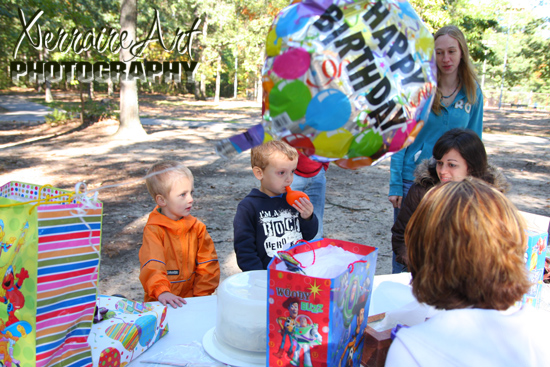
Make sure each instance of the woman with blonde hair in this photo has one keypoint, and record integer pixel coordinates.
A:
(466, 242)
(458, 103)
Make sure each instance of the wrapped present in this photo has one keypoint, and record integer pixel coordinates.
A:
(537, 230)
(314, 320)
(376, 345)
(49, 258)
(127, 330)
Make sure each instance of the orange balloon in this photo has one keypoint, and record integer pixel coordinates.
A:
(354, 163)
(267, 83)
(416, 129)
(293, 195)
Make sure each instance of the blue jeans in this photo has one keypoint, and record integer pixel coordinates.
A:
(396, 266)
(315, 187)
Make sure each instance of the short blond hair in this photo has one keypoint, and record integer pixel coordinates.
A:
(466, 243)
(260, 154)
(161, 176)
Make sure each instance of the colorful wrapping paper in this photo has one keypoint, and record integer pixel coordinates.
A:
(537, 230)
(129, 329)
(49, 263)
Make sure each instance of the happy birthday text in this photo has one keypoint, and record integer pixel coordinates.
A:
(363, 72)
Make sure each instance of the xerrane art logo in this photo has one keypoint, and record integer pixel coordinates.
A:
(104, 40)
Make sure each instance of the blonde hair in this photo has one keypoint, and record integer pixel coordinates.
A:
(161, 176)
(466, 71)
(466, 243)
(259, 156)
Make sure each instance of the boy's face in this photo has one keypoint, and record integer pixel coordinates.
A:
(278, 174)
(179, 201)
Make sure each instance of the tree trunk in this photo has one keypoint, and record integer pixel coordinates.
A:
(202, 89)
(130, 125)
(196, 91)
(110, 90)
(47, 85)
(48, 90)
(80, 86)
(259, 89)
(235, 82)
(218, 76)
(91, 84)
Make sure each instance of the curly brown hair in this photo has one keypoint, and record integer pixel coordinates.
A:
(466, 243)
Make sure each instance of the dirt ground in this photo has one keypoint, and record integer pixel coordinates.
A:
(356, 209)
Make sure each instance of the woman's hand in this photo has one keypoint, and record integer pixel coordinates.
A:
(396, 200)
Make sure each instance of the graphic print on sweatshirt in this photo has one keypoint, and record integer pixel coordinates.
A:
(281, 229)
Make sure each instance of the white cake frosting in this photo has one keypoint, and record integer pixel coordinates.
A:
(242, 311)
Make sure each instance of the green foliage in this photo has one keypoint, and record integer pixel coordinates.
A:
(536, 50)
(95, 111)
(238, 29)
(57, 117)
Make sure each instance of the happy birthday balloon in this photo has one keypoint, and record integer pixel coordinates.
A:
(355, 79)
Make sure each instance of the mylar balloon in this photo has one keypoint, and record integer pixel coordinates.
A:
(355, 78)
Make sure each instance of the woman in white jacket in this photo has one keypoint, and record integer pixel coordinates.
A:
(466, 245)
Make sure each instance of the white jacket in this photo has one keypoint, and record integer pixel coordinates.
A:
(475, 337)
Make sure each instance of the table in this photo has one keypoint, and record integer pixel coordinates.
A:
(191, 322)
(186, 324)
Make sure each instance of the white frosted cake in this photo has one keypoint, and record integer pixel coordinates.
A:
(242, 311)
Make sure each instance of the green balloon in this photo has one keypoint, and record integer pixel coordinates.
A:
(365, 144)
(290, 97)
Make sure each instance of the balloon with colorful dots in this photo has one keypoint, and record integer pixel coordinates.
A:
(354, 79)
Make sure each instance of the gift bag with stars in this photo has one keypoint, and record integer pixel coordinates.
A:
(316, 320)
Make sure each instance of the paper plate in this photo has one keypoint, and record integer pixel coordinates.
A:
(230, 355)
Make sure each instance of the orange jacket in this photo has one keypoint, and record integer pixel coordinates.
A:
(177, 256)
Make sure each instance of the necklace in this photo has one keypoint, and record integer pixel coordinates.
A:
(457, 84)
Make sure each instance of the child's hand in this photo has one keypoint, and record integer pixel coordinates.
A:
(304, 207)
(172, 299)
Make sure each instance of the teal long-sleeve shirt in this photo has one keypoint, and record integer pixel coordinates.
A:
(460, 114)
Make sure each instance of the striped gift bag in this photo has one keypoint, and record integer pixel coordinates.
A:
(50, 243)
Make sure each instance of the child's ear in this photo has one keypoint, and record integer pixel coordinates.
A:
(258, 173)
(160, 200)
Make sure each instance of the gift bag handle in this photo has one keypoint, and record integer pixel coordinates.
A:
(302, 241)
(299, 242)
(350, 266)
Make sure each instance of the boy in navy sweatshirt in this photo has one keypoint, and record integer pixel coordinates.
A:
(265, 223)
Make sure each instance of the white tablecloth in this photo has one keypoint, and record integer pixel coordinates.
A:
(191, 322)
(186, 324)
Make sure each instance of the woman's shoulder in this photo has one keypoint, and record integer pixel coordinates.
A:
(425, 174)
(498, 179)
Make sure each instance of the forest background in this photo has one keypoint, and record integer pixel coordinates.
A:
(509, 42)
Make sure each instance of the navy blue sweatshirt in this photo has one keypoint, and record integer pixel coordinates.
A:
(264, 225)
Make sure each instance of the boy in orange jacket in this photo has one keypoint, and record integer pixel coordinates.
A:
(178, 258)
